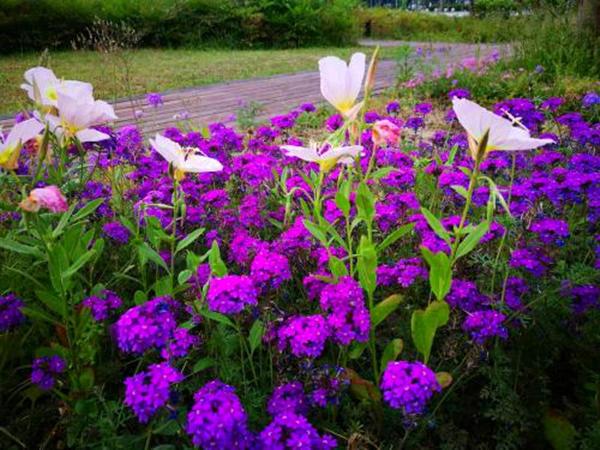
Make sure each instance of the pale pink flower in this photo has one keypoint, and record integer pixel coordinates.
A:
(49, 197)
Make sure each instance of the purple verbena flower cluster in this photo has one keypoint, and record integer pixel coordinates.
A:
(231, 294)
(45, 369)
(11, 315)
(408, 386)
(103, 305)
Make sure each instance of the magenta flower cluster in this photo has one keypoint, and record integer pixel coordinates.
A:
(231, 294)
(483, 325)
(11, 314)
(147, 392)
(44, 371)
(103, 305)
(408, 386)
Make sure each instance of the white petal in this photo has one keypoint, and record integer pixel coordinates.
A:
(474, 119)
(167, 148)
(355, 75)
(333, 81)
(91, 135)
(24, 131)
(304, 153)
(200, 164)
(343, 154)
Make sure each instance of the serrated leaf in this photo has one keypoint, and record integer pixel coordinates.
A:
(88, 209)
(440, 272)
(184, 276)
(384, 309)
(202, 364)
(337, 267)
(217, 266)
(424, 324)
(391, 238)
(316, 231)
(436, 225)
(472, 239)
(217, 317)
(189, 240)
(391, 352)
(149, 254)
(255, 336)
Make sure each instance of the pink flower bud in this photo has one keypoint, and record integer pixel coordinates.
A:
(48, 197)
(386, 132)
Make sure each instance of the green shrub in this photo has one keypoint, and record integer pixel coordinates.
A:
(397, 24)
(32, 25)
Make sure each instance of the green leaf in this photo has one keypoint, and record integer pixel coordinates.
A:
(382, 172)
(365, 203)
(147, 253)
(424, 324)
(436, 225)
(471, 241)
(184, 275)
(367, 265)
(217, 266)
(337, 267)
(342, 198)
(559, 432)
(202, 364)
(189, 239)
(384, 309)
(391, 238)
(217, 317)
(81, 261)
(88, 209)
(357, 349)
(460, 190)
(53, 302)
(440, 272)
(13, 246)
(140, 297)
(391, 352)
(256, 333)
(40, 315)
(316, 231)
(64, 220)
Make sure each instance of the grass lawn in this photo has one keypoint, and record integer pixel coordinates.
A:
(155, 69)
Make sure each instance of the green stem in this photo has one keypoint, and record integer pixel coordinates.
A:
(463, 218)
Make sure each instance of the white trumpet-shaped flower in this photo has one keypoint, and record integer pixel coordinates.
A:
(184, 159)
(42, 86)
(502, 134)
(341, 82)
(77, 114)
(11, 146)
(325, 156)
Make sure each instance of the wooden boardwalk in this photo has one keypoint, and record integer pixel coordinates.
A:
(276, 94)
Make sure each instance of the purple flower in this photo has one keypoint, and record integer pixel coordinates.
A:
(347, 316)
(11, 315)
(45, 369)
(408, 386)
(101, 306)
(305, 335)
(482, 325)
(590, 99)
(393, 107)
(293, 431)
(146, 326)
(459, 93)
(218, 420)
(148, 391)
(423, 108)
(464, 295)
(552, 103)
(231, 294)
(551, 231)
(531, 259)
(584, 297)
(414, 123)
(154, 99)
(269, 270)
(116, 231)
(334, 122)
(180, 344)
(516, 288)
(288, 397)
(307, 107)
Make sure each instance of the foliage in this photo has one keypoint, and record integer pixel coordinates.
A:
(26, 25)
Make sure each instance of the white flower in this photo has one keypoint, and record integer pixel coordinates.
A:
(325, 157)
(341, 83)
(10, 147)
(77, 112)
(183, 159)
(503, 135)
(42, 86)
